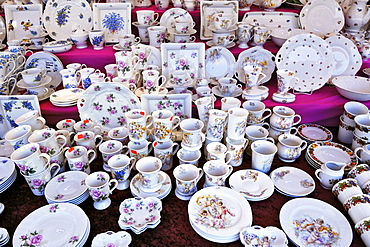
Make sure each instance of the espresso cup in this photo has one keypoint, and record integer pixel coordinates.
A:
(290, 147)
(257, 111)
(121, 166)
(137, 122)
(146, 17)
(228, 86)
(49, 142)
(223, 39)
(33, 76)
(128, 40)
(284, 117)
(18, 136)
(223, 21)
(353, 109)
(189, 156)
(37, 182)
(33, 119)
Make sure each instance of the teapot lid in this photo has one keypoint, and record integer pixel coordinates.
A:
(79, 30)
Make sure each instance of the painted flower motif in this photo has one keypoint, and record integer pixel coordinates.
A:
(98, 195)
(32, 240)
(62, 15)
(105, 121)
(111, 245)
(97, 40)
(73, 240)
(54, 208)
(114, 22)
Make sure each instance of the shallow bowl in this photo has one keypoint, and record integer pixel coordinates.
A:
(280, 35)
(353, 87)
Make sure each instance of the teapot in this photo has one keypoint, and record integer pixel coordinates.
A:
(79, 37)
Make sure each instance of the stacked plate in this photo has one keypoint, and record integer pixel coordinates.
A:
(252, 184)
(139, 214)
(8, 173)
(292, 182)
(66, 97)
(218, 214)
(59, 224)
(318, 153)
(313, 132)
(4, 236)
(67, 187)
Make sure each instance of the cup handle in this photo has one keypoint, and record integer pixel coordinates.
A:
(45, 157)
(14, 84)
(41, 119)
(115, 182)
(137, 40)
(163, 80)
(229, 156)
(71, 137)
(98, 140)
(124, 150)
(132, 162)
(231, 38)
(155, 16)
(317, 174)
(298, 119)
(91, 155)
(358, 152)
(269, 113)
(200, 174)
(64, 139)
(192, 39)
(293, 131)
(176, 145)
(177, 123)
(270, 139)
(230, 170)
(266, 126)
(150, 148)
(202, 137)
(56, 170)
(10, 72)
(303, 145)
(149, 121)
(246, 143)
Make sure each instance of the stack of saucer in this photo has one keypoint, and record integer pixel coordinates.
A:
(67, 187)
(42, 90)
(8, 173)
(66, 97)
(139, 214)
(4, 236)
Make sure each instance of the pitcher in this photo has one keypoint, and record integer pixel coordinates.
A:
(330, 173)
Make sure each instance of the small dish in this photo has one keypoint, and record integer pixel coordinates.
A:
(256, 93)
(136, 24)
(35, 48)
(140, 91)
(210, 43)
(216, 91)
(263, 236)
(121, 238)
(314, 132)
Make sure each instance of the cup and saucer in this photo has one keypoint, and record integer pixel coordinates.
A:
(188, 83)
(137, 24)
(211, 43)
(216, 91)
(162, 191)
(44, 82)
(229, 30)
(141, 90)
(190, 32)
(117, 47)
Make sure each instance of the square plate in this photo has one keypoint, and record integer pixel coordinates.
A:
(20, 17)
(113, 18)
(179, 104)
(11, 107)
(209, 8)
(188, 57)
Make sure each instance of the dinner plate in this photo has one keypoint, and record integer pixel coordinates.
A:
(219, 212)
(347, 58)
(61, 17)
(258, 56)
(292, 181)
(322, 152)
(312, 222)
(48, 61)
(171, 15)
(252, 184)
(219, 62)
(310, 57)
(317, 12)
(313, 132)
(6, 169)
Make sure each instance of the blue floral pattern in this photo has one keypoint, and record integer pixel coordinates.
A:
(114, 22)
(63, 15)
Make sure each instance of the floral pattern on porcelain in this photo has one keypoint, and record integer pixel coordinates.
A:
(98, 195)
(114, 22)
(37, 185)
(162, 131)
(356, 200)
(363, 227)
(343, 185)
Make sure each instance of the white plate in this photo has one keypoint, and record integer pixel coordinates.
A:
(209, 8)
(187, 57)
(216, 91)
(20, 17)
(314, 132)
(347, 58)
(113, 18)
(252, 184)
(61, 17)
(302, 218)
(211, 44)
(317, 12)
(66, 95)
(260, 56)
(7, 167)
(58, 49)
(292, 181)
(171, 15)
(273, 20)
(106, 104)
(322, 152)
(121, 238)
(235, 215)
(48, 61)
(66, 186)
(310, 57)
(56, 223)
(2, 31)
(179, 104)
(219, 62)
(12, 107)
(258, 236)
(162, 192)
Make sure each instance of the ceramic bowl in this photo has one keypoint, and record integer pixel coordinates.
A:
(121, 238)
(353, 87)
(280, 35)
(256, 93)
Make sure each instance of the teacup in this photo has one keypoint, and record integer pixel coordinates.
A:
(140, 149)
(204, 105)
(38, 42)
(31, 118)
(353, 109)
(236, 147)
(137, 122)
(157, 35)
(362, 125)
(223, 39)
(218, 151)
(146, 17)
(165, 152)
(253, 75)
(37, 182)
(229, 102)
(345, 131)
(152, 80)
(29, 159)
(359, 141)
(180, 77)
(188, 156)
(119, 134)
(362, 228)
(121, 166)
(290, 147)
(66, 124)
(151, 178)
(192, 132)
(263, 152)
(59, 159)
(111, 70)
(261, 34)
(254, 133)
(346, 188)
(183, 26)
(164, 122)
(69, 78)
(33, 76)
(97, 39)
(283, 117)
(40, 92)
(110, 148)
(216, 172)
(37, 30)
(49, 142)
(187, 177)
(257, 111)
(127, 40)
(274, 133)
(99, 185)
(361, 173)
(237, 122)
(358, 207)
(88, 139)
(183, 38)
(18, 136)
(363, 154)
(79, 158)
(223, 20)
(86, 125)
(228, 86)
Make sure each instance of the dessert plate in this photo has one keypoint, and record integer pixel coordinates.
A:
(292, 181)
(322, 152)
(314, 132)
(67, 95)
(252, 184)
(347, 58)
(219, 62)
(305, 220)
(258, 56)
(310, 57)
(161, 193)
(317, 12)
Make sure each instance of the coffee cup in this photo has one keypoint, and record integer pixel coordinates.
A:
(37, 182)
(149, 169)
(290, 147)
(33, 119)
(216, 172)
(187, 177)
(263, 152)
(79, 158)
(121, 166)
(18, 136)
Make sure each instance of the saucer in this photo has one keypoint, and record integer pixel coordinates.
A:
(236, 93)
(22, 84)
(35, 48)
(186, 91)
(140, 91)
(288, 98)
(210, 43)
(35, 37)
(215, 30)
(117, 47)
(162, 192)
(136, 24)
(188, 83)
(193, 31)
